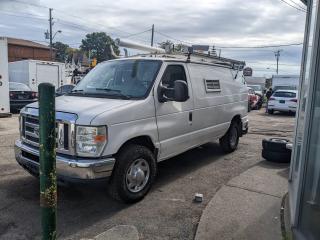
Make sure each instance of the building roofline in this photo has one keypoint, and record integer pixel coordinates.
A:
(26, 43)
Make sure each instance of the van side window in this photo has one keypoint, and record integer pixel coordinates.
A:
(173, 73)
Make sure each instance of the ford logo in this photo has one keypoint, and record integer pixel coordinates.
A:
(36, 131)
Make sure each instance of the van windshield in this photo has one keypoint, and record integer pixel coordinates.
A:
(285, 94)
(119, 79)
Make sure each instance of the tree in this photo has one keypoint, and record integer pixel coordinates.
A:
(180, 47)
(98, 43)
(167, 45)
(61, 51)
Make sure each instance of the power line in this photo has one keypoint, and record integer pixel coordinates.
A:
(298, 5)
(68, 14)
(160, 33)
(299, 9)
(261, 46)
(30, 4)
(138, 33)
(170, 37)
(234, 47)
(274, 64)
(32, 16)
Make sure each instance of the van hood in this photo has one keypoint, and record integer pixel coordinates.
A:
(86, 108)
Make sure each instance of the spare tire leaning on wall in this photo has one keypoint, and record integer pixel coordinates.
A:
(275, 150)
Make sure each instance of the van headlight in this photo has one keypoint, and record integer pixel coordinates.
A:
(90, 141)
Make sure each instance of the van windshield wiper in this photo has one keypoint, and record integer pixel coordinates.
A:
(118, 92)
(108, 90)
(77, 90)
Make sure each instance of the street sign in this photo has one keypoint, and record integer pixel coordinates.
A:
(203, 48)
(247, 72)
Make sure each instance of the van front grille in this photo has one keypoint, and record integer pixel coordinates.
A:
(30, 133)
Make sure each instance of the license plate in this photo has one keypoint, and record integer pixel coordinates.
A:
(21, 97)
(282, 101)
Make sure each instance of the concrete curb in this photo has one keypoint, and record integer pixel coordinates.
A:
(248, 206)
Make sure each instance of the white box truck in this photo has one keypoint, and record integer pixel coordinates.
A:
(4, 83)
(285, 82)
(34, 72)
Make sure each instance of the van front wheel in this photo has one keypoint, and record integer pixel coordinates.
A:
(229, 142)
(133, 174)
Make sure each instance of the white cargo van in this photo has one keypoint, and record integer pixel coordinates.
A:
(34, 72)
(128, 114)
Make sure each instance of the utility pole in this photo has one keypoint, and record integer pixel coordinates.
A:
(277, 55)
(152, 35)
(50, 31)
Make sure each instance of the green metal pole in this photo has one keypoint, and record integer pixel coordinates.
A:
(48, 178)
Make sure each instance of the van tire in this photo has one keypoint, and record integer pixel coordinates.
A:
(271, 111)
(229, 142)
(128, 155)
(275, 144)
(279, 157)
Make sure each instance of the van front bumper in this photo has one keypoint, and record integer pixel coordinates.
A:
(68, 169)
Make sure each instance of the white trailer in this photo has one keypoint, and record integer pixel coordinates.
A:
(285, 82)
(4, 83)
(34, 72)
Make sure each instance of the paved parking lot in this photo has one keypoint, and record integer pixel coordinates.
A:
(167, 212)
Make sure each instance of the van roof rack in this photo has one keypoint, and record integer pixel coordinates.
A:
(193, 52)
(200, 58)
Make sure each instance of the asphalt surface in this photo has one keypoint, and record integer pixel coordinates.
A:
(167, 212)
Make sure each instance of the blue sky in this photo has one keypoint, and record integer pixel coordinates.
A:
(232, 23)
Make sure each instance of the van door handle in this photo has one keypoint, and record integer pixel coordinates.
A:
(190, 117)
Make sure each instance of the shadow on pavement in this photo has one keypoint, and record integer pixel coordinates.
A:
(272, 165)
(81, 206)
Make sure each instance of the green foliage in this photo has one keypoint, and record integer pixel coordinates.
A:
(98, 43)
(166, 44)
(61, 51)
(179, 47)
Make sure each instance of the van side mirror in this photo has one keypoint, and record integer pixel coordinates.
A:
(179, 93)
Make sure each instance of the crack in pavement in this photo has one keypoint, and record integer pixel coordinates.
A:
(251, 190)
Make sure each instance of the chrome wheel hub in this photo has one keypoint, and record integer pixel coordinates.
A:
(137, 175)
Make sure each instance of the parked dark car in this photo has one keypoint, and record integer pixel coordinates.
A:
(20, 95)
(64, 89)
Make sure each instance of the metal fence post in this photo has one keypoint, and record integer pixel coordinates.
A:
(48, 179)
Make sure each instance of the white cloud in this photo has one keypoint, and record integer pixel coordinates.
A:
(220, 22)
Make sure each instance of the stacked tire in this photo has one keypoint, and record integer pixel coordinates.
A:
(275, 150)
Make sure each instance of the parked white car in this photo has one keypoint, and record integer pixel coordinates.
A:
(128, 114)
(283, 101)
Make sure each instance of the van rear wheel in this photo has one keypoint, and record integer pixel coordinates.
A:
(133, 174)
(229, 142)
